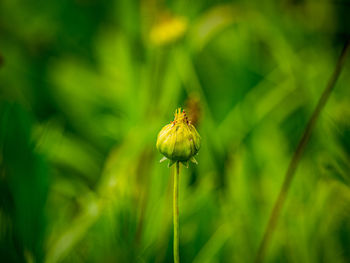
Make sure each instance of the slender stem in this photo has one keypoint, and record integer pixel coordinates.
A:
(176, 213)
(297, 156)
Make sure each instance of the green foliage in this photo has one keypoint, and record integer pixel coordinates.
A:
(84, 93)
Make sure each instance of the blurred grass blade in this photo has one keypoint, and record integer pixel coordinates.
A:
(297, 156)
(214, 244)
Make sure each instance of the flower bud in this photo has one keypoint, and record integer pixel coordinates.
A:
(179, 140)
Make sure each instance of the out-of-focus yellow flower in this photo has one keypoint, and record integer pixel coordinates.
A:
(168, 30)
(179, 141)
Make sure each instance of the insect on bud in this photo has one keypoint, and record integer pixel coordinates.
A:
(179, 140)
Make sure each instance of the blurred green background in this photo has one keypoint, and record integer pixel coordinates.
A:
(86, 85)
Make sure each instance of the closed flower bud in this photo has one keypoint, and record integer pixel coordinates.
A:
(179, 140)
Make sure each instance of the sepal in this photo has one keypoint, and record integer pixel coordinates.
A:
(193, 160)
(163, 159)
(185, 163)
(171, 162)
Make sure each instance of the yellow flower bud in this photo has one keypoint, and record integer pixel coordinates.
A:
(179, 140)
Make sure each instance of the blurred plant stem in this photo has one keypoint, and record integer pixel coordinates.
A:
(176, 212)
(297, 156)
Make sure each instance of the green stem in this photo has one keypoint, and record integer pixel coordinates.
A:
(176, 213)
(274, 216)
